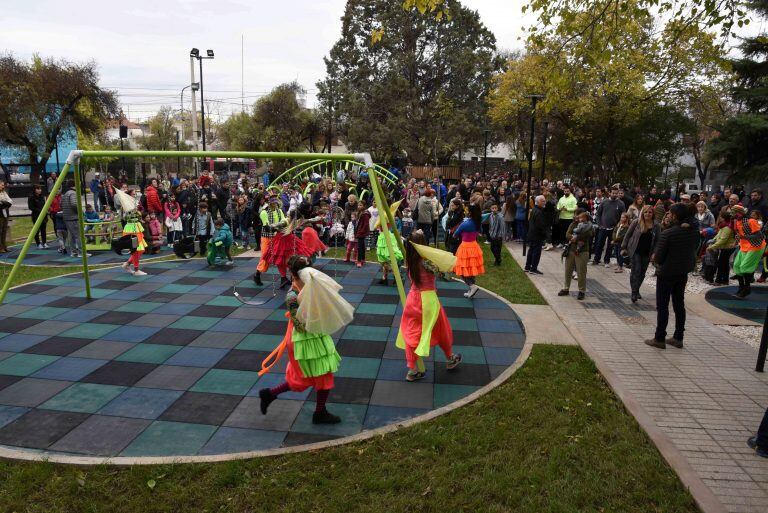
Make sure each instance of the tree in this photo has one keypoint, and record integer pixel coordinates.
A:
(418, 87)
(41, 99)
(743, 139)
(162, 131)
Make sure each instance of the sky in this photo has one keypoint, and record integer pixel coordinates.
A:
(142, 46)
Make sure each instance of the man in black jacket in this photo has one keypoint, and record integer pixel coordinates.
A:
(537, 234)
(675, 256)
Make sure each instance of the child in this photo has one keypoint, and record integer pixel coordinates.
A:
(109, 216)
(156, 233)
(223, 240)
(315, 309)
(382, 251)
(133, 228)
(618, 237)
(172, 211)
(496, 230)
(407, 223)
(203, 226)
(91, 218)
(424, 323)
(469, 255)
(362, 229)
(584, 225)
(282, 247)
(351, 240)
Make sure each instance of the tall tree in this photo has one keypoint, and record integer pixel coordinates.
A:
(41, 99)
(418, 86)
(743, 139)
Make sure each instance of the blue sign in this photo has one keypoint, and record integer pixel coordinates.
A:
(17, 159)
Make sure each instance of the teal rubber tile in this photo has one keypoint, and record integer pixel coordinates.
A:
(163, 438)
(354, 367)
(456, 301)
(463, 324)
(191, 322)
(258, 342)
(469, 354)
(373, 308)
(446, 394)
(90, 330)
(139, 307)
(452, 285)
(228, 440)
(374, 333)
(277, 315)
(60, 281)
(83, 397)
(224, 381)
(148, 353)
(380, 289)
(22, 364)
(352, 417)
(208, 274)
(43, 312)
(96, 293)
(224, 301)
(176, 289)
(14, 296)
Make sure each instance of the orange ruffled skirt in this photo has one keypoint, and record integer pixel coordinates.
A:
(469, 260)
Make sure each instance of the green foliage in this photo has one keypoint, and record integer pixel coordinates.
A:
(39, 99)
(418, 87)
(163, 133)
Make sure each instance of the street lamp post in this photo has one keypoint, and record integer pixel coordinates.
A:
(544, 154)
(486, 132)
(195, 54)
(534, 98)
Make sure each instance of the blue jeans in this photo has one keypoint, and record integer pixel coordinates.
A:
(618, 255)
(603, 237)
(522, 228)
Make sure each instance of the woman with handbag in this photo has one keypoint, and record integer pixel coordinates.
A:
(638, 245)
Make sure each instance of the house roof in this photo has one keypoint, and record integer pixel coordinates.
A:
(115, 123)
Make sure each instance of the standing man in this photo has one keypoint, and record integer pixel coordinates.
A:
(675, 256)
(69, 213)
(96, 188)
(537, 234)
(566, 206)
(607, 217)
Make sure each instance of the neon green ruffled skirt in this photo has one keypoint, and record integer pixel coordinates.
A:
(382, 252)
(315, 353)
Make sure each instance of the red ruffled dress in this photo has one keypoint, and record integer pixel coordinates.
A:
(312, 241)
(283, 246)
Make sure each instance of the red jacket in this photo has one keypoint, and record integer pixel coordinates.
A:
(153, 200)
(363, 227)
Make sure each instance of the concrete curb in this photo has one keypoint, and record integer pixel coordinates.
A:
(39, 456)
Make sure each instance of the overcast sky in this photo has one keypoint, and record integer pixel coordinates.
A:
(142, 46)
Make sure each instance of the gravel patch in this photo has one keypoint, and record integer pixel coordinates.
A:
(748, 334)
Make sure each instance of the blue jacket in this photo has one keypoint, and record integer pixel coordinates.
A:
(224, 234)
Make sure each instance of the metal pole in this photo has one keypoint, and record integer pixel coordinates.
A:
(33, 231)
(534, 99)
(485, 154)
(202, 102)
(195, 133)
(81, 226)
(544, 153)
(763, 345)
(123, 159)
(178, 159)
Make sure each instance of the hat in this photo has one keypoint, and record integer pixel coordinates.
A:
(393, 209)
(738, 209)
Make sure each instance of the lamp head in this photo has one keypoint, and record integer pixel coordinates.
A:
(209, 53)
(194, 52)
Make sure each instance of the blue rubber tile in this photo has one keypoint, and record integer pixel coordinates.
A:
(130, 334)
(446, 394)
(378, 416)
(228, 440)
(80, 315)
(395, 370)
(212, 289)
(469, 354)
(235, 325)
(128, 295)
(18, 342)
(10, 413)
(69, 369)
(352, 416)
(197, 357)
(488, 303)
(353, 367)
(501, 355)
(497, 326)
(174, 309)
(36, 300)
(272, 380)
(164, 438)
(141, 403)
(352, 298)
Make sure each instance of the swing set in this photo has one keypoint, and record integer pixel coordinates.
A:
(328, 164)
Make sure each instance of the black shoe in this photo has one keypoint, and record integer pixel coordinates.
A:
(633, 297)
(257, 279)
(383, 281)
(580, 297)
(283, 282)
(639, 296)
(656, 343)
(266, 399)
(595, 263)
(563, 292)
(675, 343)
(536, 271)
(325, 417)
(752, 442)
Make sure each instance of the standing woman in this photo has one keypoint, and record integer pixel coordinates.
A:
(724, 243)
(636, 207)
(454, 219)
(638, 245)
(510, 211)
(35, 203)
(469, 256)
(5, 213)
(521, 222)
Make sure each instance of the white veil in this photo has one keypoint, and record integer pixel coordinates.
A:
(126, 202)
(321, 307)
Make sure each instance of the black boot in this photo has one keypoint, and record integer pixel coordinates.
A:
(283, 282)
(257, 279)
(266, 399)
(325, 417)
(748, 279)
(740, 293)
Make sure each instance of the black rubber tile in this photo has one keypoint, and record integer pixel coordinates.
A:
(293, 439)
(124, 374)
(191, 280)
(160, 297)
(201, 408)
(114, 285)
(173, 337)
(238, 359)
(361, 348)
(16, 324)
(271, 328)
(372, 320)
(34, 289)
(6, 381)
(212, 311)
(460, 312)
(465, 374)
(467, 338)
(121, 318)
(59, 346)
(382, 299)
(349, 390)
(69, 302)
(38, 429)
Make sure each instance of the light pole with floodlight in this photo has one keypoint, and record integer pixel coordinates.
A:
(195, 54)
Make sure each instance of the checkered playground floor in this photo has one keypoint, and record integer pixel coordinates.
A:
(751, 307)
(52, 258)
(165, 365)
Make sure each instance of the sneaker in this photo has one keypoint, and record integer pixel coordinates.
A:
(266, 399)
(563, 292)
(325, 417)
(414, 375)
(536, 271)
(675, 343)
(359, 264)
(39, 246)
(659, 344)
(472, 291)
(139, 272)
(46, 246)
(453, 361)
(125, 267)
(607, 266)
(580, 297)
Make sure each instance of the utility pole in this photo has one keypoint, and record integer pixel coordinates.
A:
(544, 154)
(534, 98)
(195, 133)
(485, 153)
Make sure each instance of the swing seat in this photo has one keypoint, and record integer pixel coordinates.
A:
(186, 248)
(125, 243)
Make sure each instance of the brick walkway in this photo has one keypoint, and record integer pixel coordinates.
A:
(702, 401)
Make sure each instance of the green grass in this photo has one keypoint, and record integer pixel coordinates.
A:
(552, 439)
(21, 226)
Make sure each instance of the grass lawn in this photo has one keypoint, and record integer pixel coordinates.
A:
(551, 439)
(21, 226)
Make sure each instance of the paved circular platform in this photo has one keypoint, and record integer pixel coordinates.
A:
(164, 365)
(751, 307)
(52, 258)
